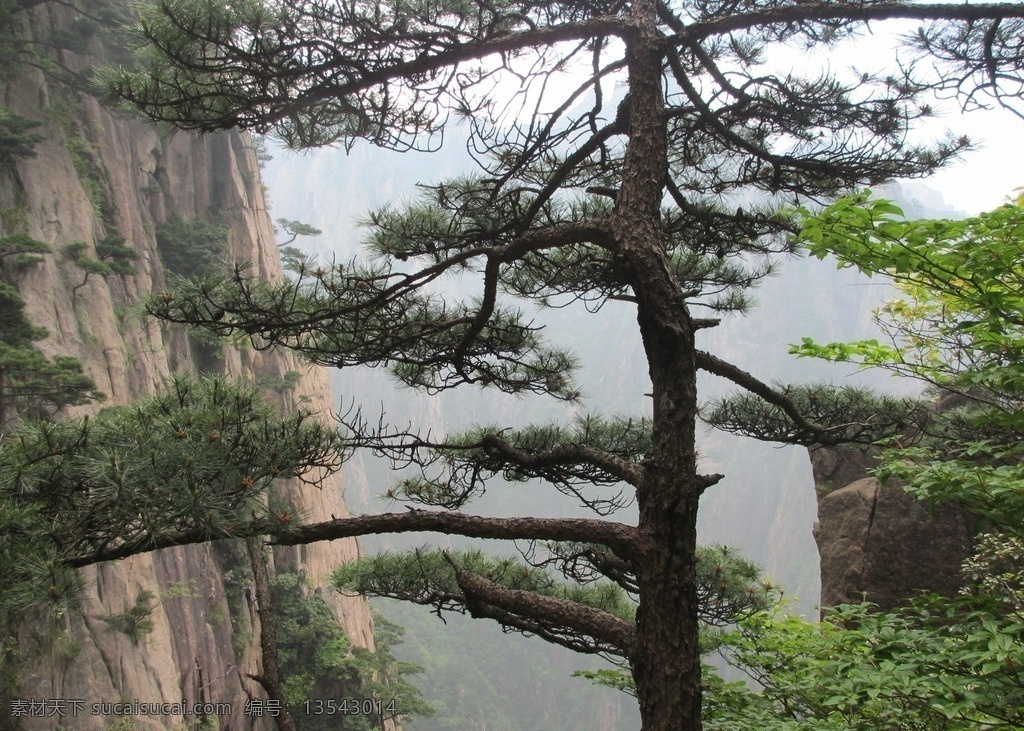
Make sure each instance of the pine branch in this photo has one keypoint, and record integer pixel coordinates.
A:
(550, 463)
(549, 617)
(811, 12)
(618, 537)
(724, 369)
(332, 97)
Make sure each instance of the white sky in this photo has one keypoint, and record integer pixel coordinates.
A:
(984, 178)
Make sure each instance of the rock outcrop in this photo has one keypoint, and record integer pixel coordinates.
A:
(875, 541)
(94, 174)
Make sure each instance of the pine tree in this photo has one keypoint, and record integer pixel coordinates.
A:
(30, 383)
(582, 196)
(189, 465)
(16, 138)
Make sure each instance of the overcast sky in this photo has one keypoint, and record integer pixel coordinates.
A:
(984, 178)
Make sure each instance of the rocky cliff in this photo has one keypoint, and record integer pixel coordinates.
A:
(96, 174)
(875, 541)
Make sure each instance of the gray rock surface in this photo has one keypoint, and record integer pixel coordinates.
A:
(146, 174)
(877, 543)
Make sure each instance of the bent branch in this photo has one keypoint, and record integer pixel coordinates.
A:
(724, 369)
(618, 537)
(544, 615)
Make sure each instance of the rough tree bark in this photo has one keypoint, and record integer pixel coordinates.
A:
(270, 678)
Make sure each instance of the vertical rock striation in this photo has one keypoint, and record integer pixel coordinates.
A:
(96, 174)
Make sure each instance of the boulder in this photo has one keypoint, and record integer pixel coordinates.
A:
(879, 544)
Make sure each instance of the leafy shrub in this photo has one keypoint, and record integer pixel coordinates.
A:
(190, 247)
(318, 662)
(92, 175)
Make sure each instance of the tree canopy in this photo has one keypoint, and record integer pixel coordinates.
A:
(192, 463)
(629, 152)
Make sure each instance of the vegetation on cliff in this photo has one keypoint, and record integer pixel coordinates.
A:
(73, 485)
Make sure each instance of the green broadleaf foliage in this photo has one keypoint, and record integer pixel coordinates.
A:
(956, 324)
(934, 665)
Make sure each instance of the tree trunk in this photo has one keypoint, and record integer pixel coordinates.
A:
(666, 662)
(666, 665)
(270, 679)
(666, 659)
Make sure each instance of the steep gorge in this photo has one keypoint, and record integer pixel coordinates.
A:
(96, 173)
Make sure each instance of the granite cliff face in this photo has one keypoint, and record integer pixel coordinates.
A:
(95, 174)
